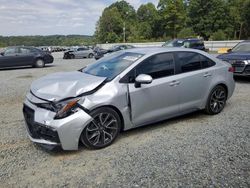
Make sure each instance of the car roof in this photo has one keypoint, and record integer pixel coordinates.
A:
(185, 39)
(154, 50)
(245, 41)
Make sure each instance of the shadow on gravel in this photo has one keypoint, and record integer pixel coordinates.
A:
(26, 67)
(159, 125)
(140, 130)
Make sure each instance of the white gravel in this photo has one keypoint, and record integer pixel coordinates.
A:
(194, 150)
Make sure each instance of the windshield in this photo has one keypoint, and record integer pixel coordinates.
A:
(243, 47)
(174, 43)
(112, 65)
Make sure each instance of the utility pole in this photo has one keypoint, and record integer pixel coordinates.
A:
(124, 32)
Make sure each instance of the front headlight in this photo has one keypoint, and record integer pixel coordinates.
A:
(247, 62)
(66, 108)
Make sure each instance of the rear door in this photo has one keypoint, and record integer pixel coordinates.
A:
(195, 75)
(158, 100)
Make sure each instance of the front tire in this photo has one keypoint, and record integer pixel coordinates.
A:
(103, 130)
(216, 100)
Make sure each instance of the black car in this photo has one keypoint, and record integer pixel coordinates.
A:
(186, 43)
(23, 56)
(239, 58)
(100, 53)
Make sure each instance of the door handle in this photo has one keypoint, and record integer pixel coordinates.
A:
(207, 74)
(174, 83)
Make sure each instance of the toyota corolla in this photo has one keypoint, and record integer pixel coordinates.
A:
(122, 91)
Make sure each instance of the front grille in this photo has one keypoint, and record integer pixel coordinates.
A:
(37, 130)
(239, 66)
(247, 69)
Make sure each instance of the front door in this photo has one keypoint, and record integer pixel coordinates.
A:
(160, 99)
(9, 58)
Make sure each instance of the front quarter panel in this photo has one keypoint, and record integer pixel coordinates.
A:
(114, 95)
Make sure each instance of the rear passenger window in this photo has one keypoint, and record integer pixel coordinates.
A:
(157, 66)
(189, 61)
(24, 50)
(206, 62)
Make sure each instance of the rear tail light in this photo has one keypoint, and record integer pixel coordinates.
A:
(231, 69)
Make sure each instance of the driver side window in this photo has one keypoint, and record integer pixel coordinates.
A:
(157, 66)
(10, 52)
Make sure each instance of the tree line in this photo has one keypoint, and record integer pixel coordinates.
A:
(53, 40)
(211, 20)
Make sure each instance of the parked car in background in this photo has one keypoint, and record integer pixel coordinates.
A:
(79, 52)
(24, 56)
(99, 49)
(239, 58)
(99, 54)
(194, 43)
(124, 90)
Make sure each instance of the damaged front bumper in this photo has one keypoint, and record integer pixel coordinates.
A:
(47, 131)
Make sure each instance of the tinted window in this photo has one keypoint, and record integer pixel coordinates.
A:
(24, 51)
(10, 51)
(206, 62)
(242, 47)
(189, 61)
(129, 47)
(81, 49)
(157, 66)
(174, 43)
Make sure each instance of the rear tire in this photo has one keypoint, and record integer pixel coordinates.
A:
(216, 100)
(91, 56)
(72, 56)
(39, 63)
(103, 130)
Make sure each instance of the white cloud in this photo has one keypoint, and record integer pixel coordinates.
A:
(48, 17)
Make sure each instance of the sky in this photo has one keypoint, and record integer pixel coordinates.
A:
(49, 17)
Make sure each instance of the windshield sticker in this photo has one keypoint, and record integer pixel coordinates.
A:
(130, 58)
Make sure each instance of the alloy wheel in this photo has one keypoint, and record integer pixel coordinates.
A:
(102, 130)
(218, 100)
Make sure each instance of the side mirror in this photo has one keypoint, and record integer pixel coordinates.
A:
(229, 50)
(143, 79)
(2, 53)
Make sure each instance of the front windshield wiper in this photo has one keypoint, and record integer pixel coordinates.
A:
(80, 70)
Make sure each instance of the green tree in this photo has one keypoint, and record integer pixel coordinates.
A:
(207, 17)
(147, 16)
(173, 16)
(110, 26)
(239, 18)
(186, 33)
(219, 35)
(113, 19)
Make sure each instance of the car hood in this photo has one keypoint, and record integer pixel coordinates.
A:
(235, 56)
(58, 86)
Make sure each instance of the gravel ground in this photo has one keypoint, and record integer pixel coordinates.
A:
(194, 150)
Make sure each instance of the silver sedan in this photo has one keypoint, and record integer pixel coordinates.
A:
(122, 91)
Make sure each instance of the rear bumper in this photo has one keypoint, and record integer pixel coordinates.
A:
(43, 129)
